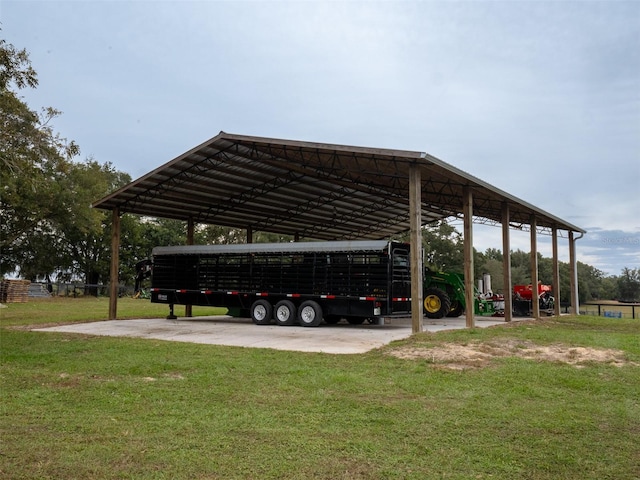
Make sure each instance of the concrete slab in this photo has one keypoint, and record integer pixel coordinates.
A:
(239, 332)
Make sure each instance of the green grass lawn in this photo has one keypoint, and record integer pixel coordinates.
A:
(76, 406)
(82, 309)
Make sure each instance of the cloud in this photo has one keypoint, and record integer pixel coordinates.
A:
(607, 250)
(612, 250)
(540, 99)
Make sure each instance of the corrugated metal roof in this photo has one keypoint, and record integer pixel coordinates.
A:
(313, 190)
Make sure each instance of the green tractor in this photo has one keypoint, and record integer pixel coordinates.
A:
(444, 296)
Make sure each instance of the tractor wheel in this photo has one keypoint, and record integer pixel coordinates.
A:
(436, 303)
(261, 312)
(456, 309)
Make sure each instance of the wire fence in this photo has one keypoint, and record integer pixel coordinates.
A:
(76, 289)
(611, 310)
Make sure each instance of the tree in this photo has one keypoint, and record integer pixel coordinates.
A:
(589, 282)
(33, 159)
(492, 254)
(85, 232)
(443, 247)
(609, 289)
(629, 285)
(46, 224)
(520, 268)
(76, 243)
(218, 235)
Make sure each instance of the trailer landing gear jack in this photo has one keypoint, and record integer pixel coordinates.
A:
(171, 315)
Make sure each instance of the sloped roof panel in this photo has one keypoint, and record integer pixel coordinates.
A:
(313, 190)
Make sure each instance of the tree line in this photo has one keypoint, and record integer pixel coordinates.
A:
(49, 232)
(443, 247)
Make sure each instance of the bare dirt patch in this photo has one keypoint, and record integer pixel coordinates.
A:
(477, 355)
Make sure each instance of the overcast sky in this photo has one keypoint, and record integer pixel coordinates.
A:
(541, 99)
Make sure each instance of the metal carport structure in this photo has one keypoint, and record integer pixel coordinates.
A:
(330, 192)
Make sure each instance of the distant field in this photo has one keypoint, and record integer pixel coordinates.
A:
(548, 399)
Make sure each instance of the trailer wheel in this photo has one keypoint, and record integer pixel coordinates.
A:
(310, 314)
(285, 313)
(261, 312)
(436, 303)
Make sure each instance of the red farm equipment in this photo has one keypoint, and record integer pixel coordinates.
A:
(523, 299)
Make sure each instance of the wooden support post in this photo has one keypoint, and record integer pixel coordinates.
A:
(415, 225)
(190, 231)
(249, 234)
(188, 309)
(573, 276)
(556, 271)
(506, 263)
(535, 304)
(469, 291)
(115, 264)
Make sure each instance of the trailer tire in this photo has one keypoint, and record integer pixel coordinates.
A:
(309, 314)
(436, 303)
(261, 312)
(285, 313)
